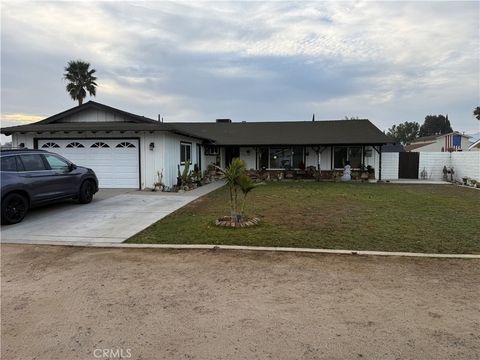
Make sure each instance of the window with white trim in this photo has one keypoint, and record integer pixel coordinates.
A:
(185, 152)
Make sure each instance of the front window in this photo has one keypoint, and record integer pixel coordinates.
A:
(185, 152)
(212, 150)
(57, 163)
(355, 156)
(342, 154)
(282, 157)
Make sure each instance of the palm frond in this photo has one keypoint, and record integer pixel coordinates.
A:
(80, 79)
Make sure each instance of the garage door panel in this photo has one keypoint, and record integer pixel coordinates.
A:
(114, 166)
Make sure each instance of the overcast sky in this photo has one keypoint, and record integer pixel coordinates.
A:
(189, 61)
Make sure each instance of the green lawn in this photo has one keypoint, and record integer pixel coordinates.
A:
(354, 216)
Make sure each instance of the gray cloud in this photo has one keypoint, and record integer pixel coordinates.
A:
(190, 61)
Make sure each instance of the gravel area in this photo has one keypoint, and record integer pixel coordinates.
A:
(70, 303)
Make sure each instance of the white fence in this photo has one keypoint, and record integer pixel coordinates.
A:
(464, 164)
(389, 166)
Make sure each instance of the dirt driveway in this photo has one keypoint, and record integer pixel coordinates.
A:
(65, 302)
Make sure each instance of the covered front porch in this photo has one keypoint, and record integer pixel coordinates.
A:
(294, 161)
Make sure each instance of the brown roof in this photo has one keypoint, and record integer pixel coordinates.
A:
(331, 132)
(131, 122)
(416, 146)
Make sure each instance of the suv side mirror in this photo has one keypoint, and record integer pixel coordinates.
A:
(72, 167)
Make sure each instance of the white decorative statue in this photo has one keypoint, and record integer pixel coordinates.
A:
(347, 172)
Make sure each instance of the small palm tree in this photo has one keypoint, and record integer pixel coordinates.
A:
(232, 174)
(246, 184)
(80, 80)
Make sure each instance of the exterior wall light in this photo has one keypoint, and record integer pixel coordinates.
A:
(152, 146)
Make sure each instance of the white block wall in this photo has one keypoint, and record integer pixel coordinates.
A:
(389, 166)
(465, 164)
(433, 163)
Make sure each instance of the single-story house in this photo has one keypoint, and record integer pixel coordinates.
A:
(440, 143)
(129, 151)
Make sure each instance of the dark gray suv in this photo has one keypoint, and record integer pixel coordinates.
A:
(32, 178)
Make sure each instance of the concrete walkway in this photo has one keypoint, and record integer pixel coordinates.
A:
(113, 217)
(419, 182)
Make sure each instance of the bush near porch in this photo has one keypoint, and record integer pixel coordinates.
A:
(354, 216)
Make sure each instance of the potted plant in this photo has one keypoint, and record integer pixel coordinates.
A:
(159, 185)
(371, 172)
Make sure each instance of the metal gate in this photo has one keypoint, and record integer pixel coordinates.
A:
(408, 165)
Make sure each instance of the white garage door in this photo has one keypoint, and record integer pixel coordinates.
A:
(116, 162)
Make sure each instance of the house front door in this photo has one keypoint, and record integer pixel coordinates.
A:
(231, 153)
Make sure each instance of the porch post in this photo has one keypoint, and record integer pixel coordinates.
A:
(318, 157)
(331, 157)
(380, 164)
(363, 156)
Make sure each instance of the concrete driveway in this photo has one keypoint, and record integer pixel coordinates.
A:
(113, 216)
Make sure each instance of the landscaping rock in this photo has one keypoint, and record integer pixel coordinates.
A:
(227, 221)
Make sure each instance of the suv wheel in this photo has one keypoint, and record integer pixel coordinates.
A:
(86, 192)
(14, 208)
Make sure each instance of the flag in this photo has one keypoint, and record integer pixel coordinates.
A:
(453, 142)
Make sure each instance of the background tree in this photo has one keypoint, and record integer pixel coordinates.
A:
(476, 112)
(80, 80)
(435, 125)
(404, 133)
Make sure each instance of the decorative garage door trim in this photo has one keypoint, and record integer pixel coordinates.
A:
(50, 145)
(102, 154)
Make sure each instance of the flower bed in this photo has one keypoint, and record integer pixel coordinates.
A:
(227, 221)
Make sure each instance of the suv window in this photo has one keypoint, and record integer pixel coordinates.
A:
(56, 163)
(32, 162)
(9, 163)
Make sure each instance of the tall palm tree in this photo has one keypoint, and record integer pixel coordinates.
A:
(80, 80)
(476, 112)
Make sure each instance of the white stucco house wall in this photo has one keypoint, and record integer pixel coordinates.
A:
(128, 151)
(440, 143)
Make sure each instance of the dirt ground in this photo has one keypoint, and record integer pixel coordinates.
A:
(65, 302)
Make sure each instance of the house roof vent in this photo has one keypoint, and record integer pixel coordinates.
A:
(224, 120)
